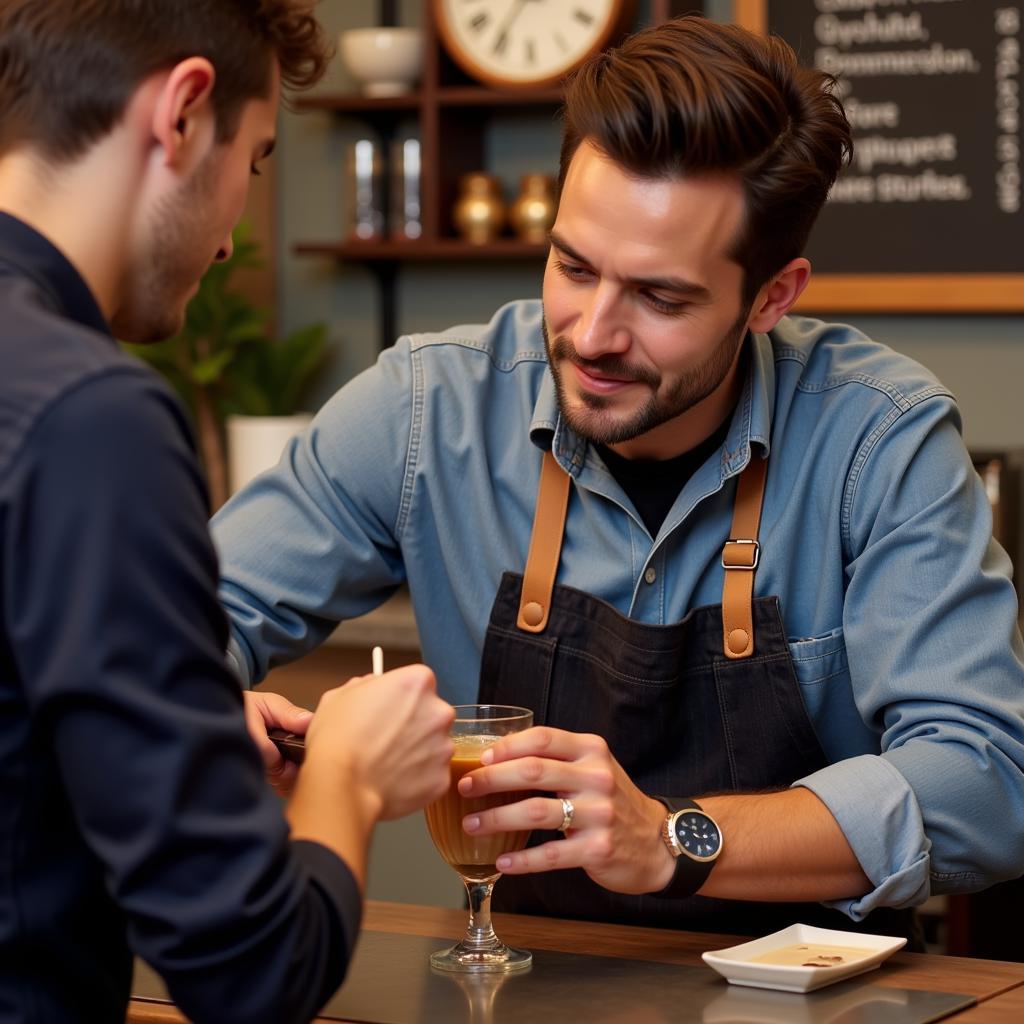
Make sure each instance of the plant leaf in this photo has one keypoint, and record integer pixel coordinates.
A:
(208, 371)
(303, 352)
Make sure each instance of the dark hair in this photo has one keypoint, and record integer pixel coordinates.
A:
(69, 67)
(691, 97)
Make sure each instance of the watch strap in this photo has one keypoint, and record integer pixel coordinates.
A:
(676, 803)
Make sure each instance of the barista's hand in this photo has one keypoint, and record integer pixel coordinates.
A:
(616, 830)
(266, 711)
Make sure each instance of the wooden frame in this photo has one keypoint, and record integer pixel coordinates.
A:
(897, 293)
(468, 63)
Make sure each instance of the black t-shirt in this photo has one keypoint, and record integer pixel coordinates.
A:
(654, 484)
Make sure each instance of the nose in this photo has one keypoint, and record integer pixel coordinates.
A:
(227, 247)
(601, 328)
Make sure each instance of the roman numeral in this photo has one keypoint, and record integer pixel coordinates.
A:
(531, 54)
(585, 16)
(479, 21)
(500, 43)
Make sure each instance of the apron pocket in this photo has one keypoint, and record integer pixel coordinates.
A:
(759, 698)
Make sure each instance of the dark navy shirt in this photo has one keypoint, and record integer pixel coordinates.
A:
(133, 810)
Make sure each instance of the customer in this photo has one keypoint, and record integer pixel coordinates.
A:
(133, 812)
(857, 729)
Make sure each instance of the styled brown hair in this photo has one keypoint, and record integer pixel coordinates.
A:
(69, 67)
(692, 97)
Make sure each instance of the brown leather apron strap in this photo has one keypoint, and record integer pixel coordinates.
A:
(545, 546)
(740, 557)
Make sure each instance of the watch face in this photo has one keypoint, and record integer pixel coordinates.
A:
(524, 42)
(698, 835)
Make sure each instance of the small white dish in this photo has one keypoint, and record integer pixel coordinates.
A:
(739, 966)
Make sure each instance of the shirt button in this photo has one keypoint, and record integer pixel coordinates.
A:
(650, 575)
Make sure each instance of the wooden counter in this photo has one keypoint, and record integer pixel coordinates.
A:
(1007, 1008)
(998, 986)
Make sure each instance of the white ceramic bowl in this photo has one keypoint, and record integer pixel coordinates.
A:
(385, 61)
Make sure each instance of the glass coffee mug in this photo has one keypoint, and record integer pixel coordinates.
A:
(477, 727)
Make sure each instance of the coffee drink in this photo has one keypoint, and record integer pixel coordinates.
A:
(472, 856)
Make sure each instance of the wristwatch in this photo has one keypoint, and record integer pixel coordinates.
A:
(694, 840)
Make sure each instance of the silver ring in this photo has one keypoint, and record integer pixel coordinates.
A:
(567, 812)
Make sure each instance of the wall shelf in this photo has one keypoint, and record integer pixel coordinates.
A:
(448, 249)
(452, 113)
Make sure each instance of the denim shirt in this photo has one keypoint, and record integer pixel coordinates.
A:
(876, 537)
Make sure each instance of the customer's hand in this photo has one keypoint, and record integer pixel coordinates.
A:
(390, 733)
(266, 711)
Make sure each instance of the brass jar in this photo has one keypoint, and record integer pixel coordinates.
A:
(533, 212)
(479, 211)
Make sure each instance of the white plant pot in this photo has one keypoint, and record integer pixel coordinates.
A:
(255, 443)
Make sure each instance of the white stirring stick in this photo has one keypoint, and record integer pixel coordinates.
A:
(377, 656)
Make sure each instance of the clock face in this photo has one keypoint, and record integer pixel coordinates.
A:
(524, 42)
(698, 835)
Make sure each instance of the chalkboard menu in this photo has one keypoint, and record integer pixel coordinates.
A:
(929, 215)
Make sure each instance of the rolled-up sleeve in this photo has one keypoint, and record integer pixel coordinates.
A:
(889, 842)
(936, 667)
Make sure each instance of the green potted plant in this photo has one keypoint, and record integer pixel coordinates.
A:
(233, 375)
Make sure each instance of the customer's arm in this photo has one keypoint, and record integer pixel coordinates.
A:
(377, 749)
(119, 639)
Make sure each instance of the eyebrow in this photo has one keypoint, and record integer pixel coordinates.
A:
(679, 285)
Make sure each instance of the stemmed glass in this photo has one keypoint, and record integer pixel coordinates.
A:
(476, 727)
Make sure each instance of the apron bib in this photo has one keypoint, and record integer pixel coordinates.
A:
(710, 704)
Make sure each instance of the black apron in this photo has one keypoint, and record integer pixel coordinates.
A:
(710, 704)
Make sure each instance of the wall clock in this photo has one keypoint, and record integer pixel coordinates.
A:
(516, 43)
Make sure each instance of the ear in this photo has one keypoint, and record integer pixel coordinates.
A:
(776, 297)
(183, 107)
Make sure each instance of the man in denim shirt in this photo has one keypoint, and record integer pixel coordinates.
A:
(854, 733)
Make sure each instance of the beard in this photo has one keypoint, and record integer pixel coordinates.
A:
(594, 417)
(170, 262)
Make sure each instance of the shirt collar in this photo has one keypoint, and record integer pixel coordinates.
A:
(751, 420)
(549, 431)
(32, 254)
